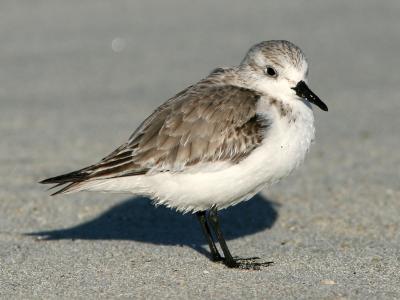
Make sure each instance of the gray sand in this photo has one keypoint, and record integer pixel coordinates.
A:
(77, 77)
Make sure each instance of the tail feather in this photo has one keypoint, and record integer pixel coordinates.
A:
(71, 181)
(65, 178)
(68, 188)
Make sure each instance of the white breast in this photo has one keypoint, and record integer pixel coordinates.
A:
(285, 146)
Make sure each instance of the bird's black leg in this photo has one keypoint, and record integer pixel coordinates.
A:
(201, 216)
(229, 261)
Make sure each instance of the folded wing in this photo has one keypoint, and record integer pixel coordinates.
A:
(204, 123)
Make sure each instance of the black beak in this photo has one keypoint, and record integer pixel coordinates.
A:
(303, 91)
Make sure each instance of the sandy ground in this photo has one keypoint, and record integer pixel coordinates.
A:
(77, 77)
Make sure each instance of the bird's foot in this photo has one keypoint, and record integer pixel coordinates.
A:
(250, 263)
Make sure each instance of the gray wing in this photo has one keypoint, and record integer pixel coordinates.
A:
(210, 124)
(204, 123)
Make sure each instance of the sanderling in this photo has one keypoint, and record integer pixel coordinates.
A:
(216, 143)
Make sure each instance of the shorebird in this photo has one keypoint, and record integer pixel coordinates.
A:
(216, 143)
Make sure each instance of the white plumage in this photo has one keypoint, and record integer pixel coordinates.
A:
(225, 184)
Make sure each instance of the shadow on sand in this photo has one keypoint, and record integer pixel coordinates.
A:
(137, 219)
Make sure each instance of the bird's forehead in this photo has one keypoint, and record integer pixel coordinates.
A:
(281, 53)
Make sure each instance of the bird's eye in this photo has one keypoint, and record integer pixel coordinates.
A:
(270, 71)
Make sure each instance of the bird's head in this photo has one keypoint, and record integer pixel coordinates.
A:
(279, 69)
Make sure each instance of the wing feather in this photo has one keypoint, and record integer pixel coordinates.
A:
(204, 123)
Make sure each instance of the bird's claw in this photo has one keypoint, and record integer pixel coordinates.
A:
(249, 263)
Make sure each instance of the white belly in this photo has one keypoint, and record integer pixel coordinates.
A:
(284, 149)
